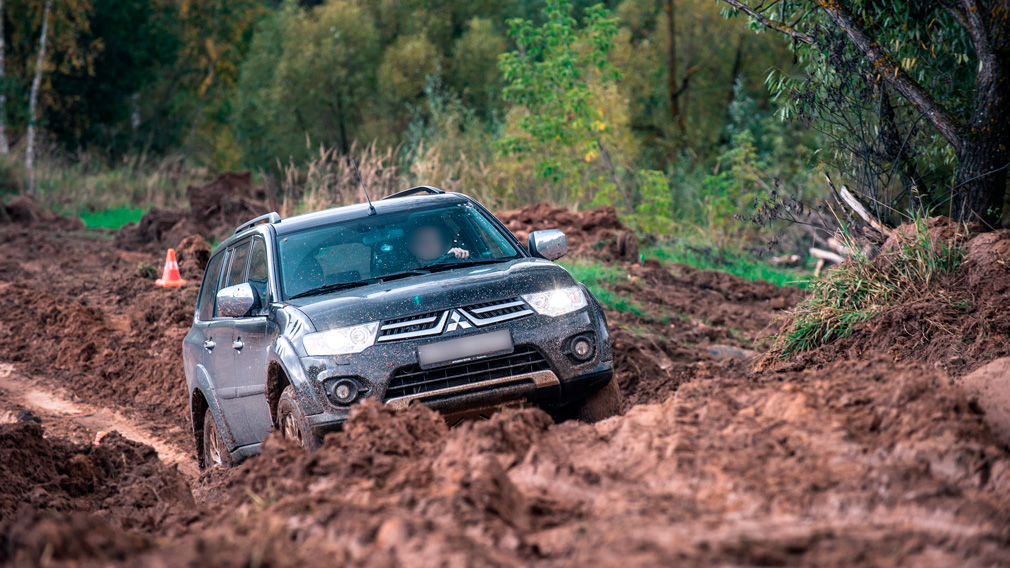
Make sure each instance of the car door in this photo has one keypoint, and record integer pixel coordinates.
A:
(202, 342)
(228, 386)
(250, 343)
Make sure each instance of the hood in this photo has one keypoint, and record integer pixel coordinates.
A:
(432, 292)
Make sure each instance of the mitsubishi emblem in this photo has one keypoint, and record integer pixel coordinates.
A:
(456, 320)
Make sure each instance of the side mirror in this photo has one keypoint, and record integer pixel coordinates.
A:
(550, 244)
(237, 301)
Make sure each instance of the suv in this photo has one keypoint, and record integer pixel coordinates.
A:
(423, 296)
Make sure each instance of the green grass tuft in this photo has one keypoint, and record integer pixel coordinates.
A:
(862, 288)
(707, 258)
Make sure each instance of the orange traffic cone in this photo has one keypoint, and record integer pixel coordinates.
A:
(170, 277)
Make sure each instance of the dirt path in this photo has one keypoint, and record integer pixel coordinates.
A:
(80, 421)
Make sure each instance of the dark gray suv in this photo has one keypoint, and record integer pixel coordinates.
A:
(424, 296)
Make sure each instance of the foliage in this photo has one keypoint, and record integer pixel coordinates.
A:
(862, 288)
(912, 95)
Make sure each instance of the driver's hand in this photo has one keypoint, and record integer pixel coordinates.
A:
(459, 253)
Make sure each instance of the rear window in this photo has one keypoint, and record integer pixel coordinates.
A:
(237, 272)
(208, 291)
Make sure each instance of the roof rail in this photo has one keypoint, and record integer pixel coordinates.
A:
(271, 217)
(415, 191)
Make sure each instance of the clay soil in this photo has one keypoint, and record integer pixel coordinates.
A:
(863, 455)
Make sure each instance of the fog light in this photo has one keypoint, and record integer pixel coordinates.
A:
(345, 391)
(582, 348)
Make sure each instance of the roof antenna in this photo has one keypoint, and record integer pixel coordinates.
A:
(371, 208)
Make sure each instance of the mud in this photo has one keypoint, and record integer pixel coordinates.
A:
(62, 501)
(214, 211)
(596, 233)
(858, 456)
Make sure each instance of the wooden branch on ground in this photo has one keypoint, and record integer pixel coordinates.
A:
(865, 215)
(826, 255)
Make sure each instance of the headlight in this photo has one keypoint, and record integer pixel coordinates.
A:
(557, 302)
(341, 341)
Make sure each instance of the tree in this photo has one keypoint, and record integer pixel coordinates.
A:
(309, 75)
(4, 146)
(475, 73)
(34, 98)
(102, 104)
(559, 78)
(949, 64)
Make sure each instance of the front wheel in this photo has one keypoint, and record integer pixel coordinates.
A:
(215, 451)
(600, 405)
(291, 420)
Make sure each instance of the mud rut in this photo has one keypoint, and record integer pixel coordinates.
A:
(866, 461)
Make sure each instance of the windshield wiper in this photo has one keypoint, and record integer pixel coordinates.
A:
(398, 275)
(331, 288)
(463, 264)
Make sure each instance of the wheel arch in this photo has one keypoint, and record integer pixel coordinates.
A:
(277, 381)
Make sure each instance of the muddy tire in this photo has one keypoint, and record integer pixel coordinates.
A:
(600, 405)
(215, 451)
(291, 422)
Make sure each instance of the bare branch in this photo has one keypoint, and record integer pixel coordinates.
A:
(781, 27)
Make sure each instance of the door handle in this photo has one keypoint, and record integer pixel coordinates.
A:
(237, 344)
(209, 344)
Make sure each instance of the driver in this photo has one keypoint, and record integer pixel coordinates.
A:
(428, 244)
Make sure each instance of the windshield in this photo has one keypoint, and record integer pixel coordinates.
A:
(371, 249)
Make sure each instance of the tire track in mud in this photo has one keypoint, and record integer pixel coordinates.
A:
(80, 421)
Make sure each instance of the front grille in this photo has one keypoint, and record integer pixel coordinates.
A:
(410, 325)
(433, 323)
(497, 310)
(413, 380)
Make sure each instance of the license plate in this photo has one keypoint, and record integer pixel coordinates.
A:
(464, 348)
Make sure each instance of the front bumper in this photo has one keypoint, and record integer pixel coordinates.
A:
(561, 381)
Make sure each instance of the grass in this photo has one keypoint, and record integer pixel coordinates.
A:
(862, 288)
(707, 258)
(113, 218)
(595, 276)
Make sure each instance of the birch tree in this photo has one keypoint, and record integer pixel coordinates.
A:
(4, 146)
(33, 101)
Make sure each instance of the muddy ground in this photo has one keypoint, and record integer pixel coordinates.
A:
(860, 454)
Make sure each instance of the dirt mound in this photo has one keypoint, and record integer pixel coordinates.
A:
(214, 211)
(193, 253)
(989, 387)
(24, 210)
(960, 323)
(861, 463)
(71, 501)
(594, 233)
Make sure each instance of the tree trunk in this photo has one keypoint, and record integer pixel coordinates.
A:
(984, 156)
(33, 100)
(671, 64)
(4, 146)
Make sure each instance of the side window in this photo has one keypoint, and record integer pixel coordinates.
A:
(258, 270)
(208, 291)
(237, 271)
